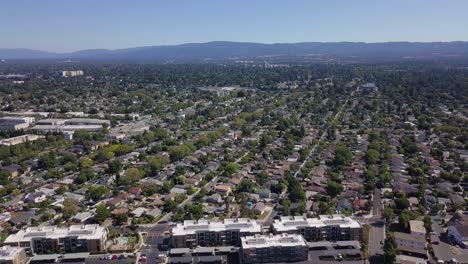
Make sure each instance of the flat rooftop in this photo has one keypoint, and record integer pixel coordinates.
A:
(289, 223)
(7, 252)
(265, 241)
(193, 227)
(54, 232)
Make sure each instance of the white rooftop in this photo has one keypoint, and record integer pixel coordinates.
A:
(8, 253)
(53, 232)
(193, 226)
(282, 240)
(289, 223)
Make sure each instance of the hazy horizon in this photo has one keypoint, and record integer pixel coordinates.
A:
(55, 26)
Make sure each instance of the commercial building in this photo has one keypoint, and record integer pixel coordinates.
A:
(12, 255)
(72, 73)
(274, 248)
(19, 140)
(206, 233)
(53, 239)
(325, 227)
(13, 123)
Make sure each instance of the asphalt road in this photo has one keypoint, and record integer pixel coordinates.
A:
(376, 238)
(153, 239)
(377, 203)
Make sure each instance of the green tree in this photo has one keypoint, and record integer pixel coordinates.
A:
(70, 208)
(333, 188)
(390, 249)
(102, 213)
(343, 155)
(196, 211)
(131, 176)
(231, 168)
(427, 223)
(295, 191)
(114, 166)
(402, 203)
(388, 214)
(372, 156)
(96, 192)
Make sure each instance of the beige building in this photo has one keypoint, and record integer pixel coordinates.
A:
(53, 239)
(19, 140)
(12, 255)
(411, 245)
(417, 228)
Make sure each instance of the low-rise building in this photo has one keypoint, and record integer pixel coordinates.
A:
(411, 245)
(325, 227)
(12, 255)
(274, 248)
(53, 239)
(13, 123)
(417, 228)
(19, 140)
(207, 233)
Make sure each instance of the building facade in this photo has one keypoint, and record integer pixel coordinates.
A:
(13, 123)
(205, 233)
(411, 245)
(274, 248)
(325, 227)
(12, 255)
(53, 239)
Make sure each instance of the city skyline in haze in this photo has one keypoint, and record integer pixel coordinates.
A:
(58, 26)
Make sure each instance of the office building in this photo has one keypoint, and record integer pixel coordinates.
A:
(206, 233)
(53, 239)
(325, 227)
(274, 248)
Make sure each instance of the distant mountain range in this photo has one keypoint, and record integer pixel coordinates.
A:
(223, 50)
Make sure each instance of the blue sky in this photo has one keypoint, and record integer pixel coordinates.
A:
(67, 25)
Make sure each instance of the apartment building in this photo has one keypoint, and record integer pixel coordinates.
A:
(325, 227)
(12, 255)
(53, 239)
(206, 233)
(411, 245)
(274, 248)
